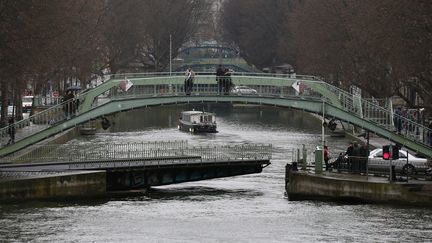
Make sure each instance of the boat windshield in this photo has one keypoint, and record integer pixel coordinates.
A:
(207, 118)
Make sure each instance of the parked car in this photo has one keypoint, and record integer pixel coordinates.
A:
(27, 103)
(243, 90)
(414, 164)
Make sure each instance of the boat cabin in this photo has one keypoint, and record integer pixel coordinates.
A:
(198, 117)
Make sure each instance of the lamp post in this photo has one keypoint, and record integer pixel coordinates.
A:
(170, 54)
(322, 129)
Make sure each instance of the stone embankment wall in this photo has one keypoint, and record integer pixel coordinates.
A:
(300, 186)
(67, 185)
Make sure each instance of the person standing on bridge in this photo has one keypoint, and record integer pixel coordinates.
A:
(430, 133)
(220, 79)
(190, 75)
(397, 119)
(227, 82)
(68, 105)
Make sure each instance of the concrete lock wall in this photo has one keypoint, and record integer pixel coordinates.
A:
(80, 184)
(310, 186)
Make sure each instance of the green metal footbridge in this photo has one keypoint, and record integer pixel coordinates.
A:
(129, 91)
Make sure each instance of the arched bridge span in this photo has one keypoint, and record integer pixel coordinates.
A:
(132, 91)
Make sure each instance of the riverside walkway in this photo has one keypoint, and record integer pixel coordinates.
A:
(129, 91)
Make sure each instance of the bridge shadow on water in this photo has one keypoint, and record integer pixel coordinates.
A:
(199, 193)
(20, 206)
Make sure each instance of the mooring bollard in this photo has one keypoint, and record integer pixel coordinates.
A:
(304, 164)
(393, 173)
(294, 166)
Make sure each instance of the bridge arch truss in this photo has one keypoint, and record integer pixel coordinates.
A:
(152, 89)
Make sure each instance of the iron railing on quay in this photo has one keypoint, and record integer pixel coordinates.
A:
(95, 151)
(131, 151)
(379, 167)
(11, 175)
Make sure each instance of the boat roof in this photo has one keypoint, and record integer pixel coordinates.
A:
(196, 113)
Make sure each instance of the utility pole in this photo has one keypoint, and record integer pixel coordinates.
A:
(322, 129)
(170, 54)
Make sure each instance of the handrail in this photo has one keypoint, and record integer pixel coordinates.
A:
(171, 84)
(142, 150)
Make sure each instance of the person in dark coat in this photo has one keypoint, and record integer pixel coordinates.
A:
(355, 160)
(227, 82)
(350, 150)
(350, 153)
(68, 105)
(11, 131)
(220, 78)
(364, 153)
(397, 120)
(430, 133)
(337, 164)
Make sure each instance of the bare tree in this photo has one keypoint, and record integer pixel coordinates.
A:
(41, 40)
(254, 26)
(179, 19)
(378, 46)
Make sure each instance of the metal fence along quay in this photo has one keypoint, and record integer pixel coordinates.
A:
(142, 151)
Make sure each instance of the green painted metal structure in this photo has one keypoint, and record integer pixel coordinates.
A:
(130, 91)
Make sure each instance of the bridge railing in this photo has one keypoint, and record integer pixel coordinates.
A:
(364, 108)
(147, 150)
(39, 121)
(210, 87)
(266, 85)
(386, 118)
(57, 113)
(233, 74)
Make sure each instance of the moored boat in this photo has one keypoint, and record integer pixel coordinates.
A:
(197, 122)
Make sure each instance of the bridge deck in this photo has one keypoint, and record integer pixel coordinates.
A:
(299, 92)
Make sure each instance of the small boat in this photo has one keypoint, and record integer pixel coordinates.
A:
(338, 133)
(197, 122)
(87, 130)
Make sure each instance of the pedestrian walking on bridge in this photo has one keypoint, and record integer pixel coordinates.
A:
(11, 131)
(220, 79)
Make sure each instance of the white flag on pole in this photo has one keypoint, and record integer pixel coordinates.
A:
(296, 86)
(128, 84)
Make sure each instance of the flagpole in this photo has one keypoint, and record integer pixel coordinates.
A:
(170, 54)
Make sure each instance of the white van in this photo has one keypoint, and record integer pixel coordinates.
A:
(27, 103)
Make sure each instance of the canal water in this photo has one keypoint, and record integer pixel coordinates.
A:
(249, 208)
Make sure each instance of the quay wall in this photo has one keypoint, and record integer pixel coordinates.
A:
(303, 186)
(70, 185)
